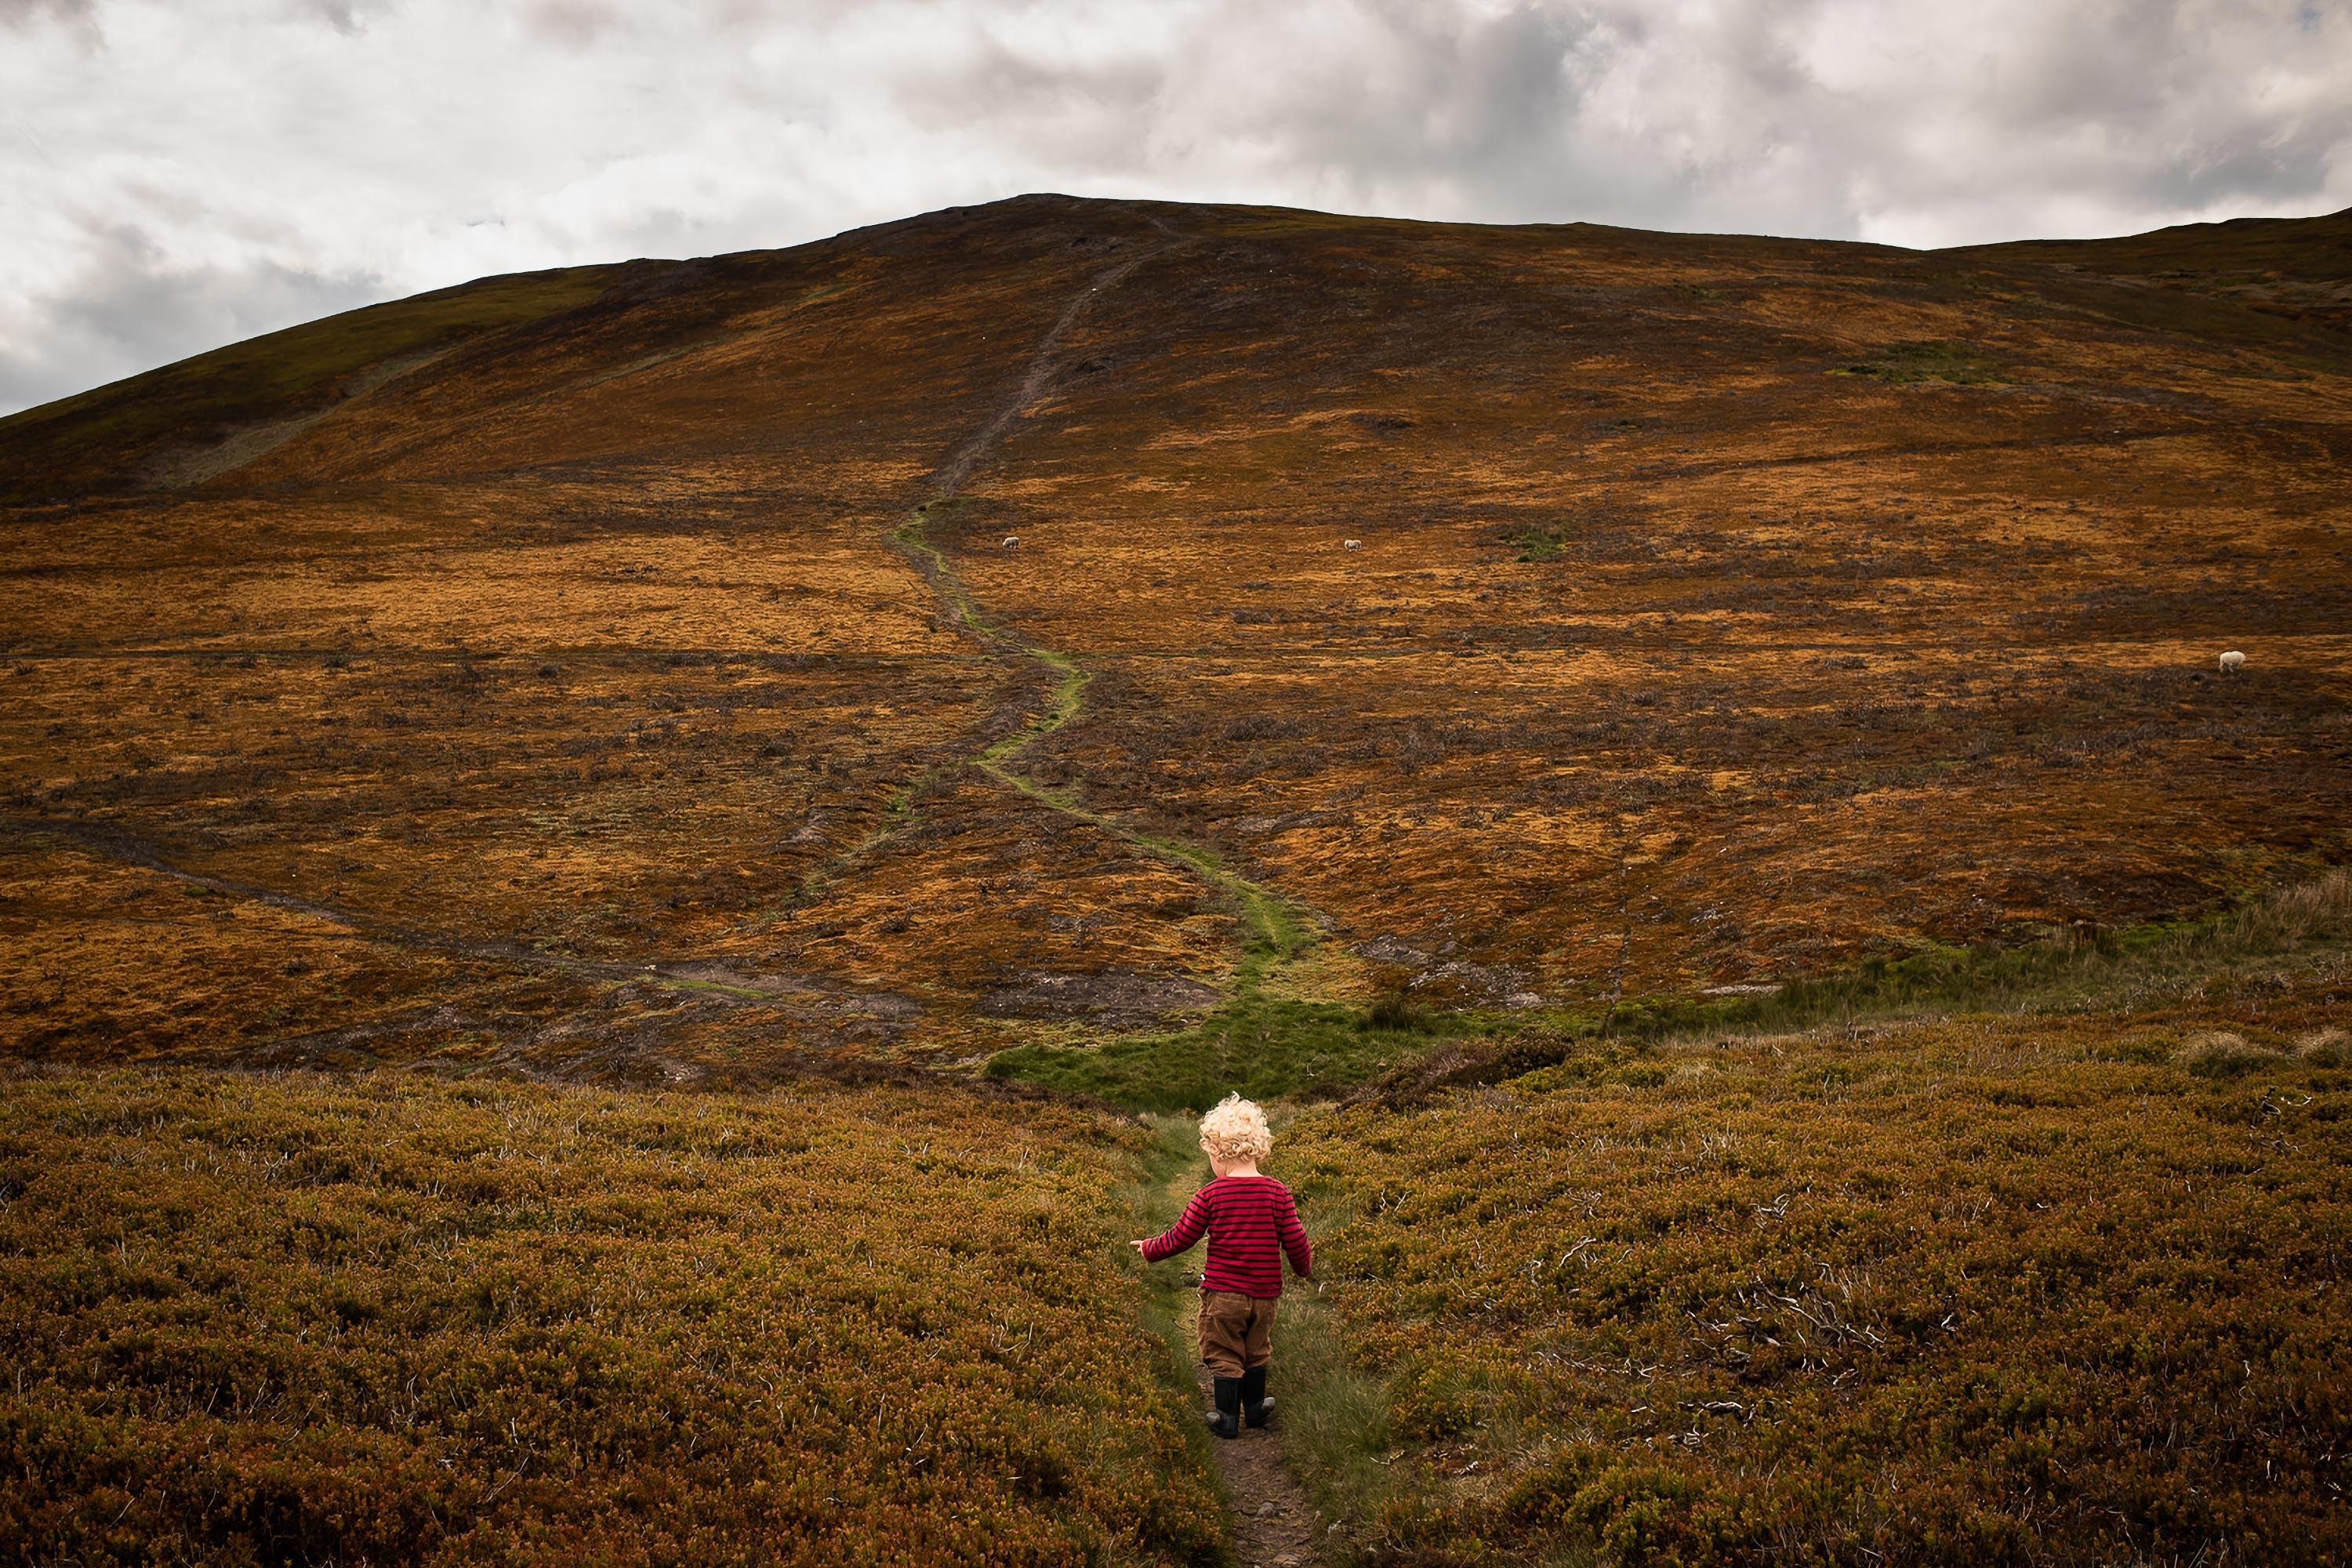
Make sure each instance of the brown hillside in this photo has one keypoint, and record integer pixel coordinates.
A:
(2297, 267)
(553, 671)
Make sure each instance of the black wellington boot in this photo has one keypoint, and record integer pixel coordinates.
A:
(1225, 1421)
(1256, 1408)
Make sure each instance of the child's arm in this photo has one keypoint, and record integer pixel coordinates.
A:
(1294, 1236)
(1188, 1229)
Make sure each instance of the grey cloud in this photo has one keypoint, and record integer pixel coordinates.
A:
(343, 16)
(1475, 100)
(218, 168)
(1495, 116)
(18, 12)
(77, 19)
(1001, 85)
(576, 24)
(130, 313)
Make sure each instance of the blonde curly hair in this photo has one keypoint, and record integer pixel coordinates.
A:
(1236, 1130)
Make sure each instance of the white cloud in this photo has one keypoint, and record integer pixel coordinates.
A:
(181, 173)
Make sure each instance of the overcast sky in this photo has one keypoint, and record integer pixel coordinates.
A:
(179, 175)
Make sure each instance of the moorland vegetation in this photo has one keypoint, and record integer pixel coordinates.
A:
(2051, 1280)
(1808, 1014)
(287, 1319)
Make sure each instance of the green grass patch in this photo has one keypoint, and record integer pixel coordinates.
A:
(2062, 972)
(2297, 929)
(1264, 1047)
(1537, 544)
(1334, 1420)
(1398, 1013)
(1269, 1047)
(2068, 970)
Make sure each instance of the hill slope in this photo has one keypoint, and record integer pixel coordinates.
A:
(560, 671)
(1137, 636)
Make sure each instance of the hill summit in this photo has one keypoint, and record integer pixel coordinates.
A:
(1067, 613)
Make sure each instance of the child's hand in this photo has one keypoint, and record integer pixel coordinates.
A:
(1138, 1244)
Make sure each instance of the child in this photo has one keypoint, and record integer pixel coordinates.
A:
(1252, 1222)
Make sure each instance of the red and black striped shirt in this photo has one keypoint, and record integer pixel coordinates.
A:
(1251, 1221)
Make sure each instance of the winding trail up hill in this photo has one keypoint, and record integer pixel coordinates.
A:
(622, 671)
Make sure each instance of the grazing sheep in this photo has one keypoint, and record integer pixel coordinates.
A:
(2233, 661)
(1351, 544)
(1011, 540)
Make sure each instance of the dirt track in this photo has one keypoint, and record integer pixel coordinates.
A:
(1273, 1524)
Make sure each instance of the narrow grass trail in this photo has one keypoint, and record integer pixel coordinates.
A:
(1276, 932)
(1273, 1524)
(1276, 1032)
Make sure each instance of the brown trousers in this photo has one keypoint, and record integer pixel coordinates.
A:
(1236, 1333)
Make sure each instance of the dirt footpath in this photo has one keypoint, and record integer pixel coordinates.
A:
(1273, 1524)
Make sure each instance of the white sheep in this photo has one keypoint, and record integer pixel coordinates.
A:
(1351, 544)
(2233, 661)
(1011, 540)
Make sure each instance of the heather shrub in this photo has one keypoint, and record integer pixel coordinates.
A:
(279, 1320)
(2327, 1048)
(2221, 1053)
(1978, 1291)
